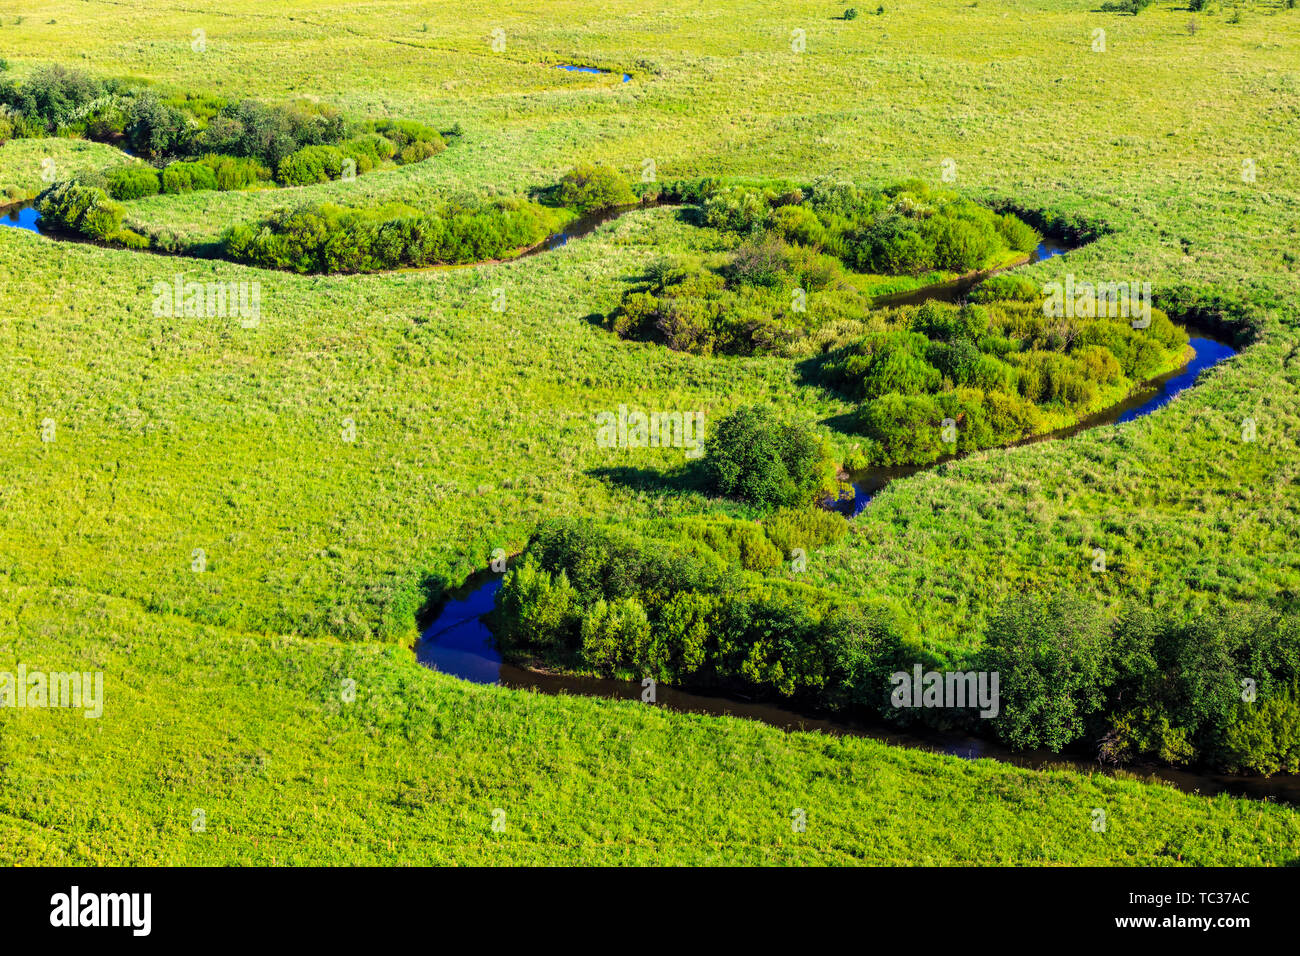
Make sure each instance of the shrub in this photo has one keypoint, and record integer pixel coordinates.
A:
(881, 363)
(1017, 234)
(1147, 733)
(588, 188)
(616, 634)
(737, 209)
(762, 261)
(83, 209)
(539, 605)
(186, 177)
(417, 152)
(311, 164)
(804, 528)
(328, 238)
(405, 132)
(133, 182)
(686, 622)
(661, 607)
(367, 152)
(851, 13)
(155, 130)
(270, 133)
(236, 172)
(1262, 736)
(905, 428)
(1006, 288)
(51, 96)
(741, 543)
(754, 457)
(372, 144)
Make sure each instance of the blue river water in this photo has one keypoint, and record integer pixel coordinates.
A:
(573, 68)
(23, 216)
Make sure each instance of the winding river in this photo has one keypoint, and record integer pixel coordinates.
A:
(456, 641)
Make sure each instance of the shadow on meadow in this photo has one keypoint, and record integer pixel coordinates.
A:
(688, 479)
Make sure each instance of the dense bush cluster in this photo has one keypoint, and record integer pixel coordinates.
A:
(212, 171)
(790, 276)
(701, 603)
(590, 188)
(133, 181)
(55, 100)
(236, 172)
(1219, 689)
(88, 211)
(183, 177)
(409, 142)
(242, 141)
(323, 237)
(754, 457)
(681, 608)
(311, 164)
(767, 297)
(906, 229)
(997, 370)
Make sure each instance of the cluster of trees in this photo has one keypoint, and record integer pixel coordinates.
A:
(790, 277)
(297, 143)
(330, 238)
(995, 369)
(88, 211)
(590, 188)
(136, 180)
(1221, 688)
(56, 100)
(326, 238)
(681, 608)
(699, 603)
(766, 298)
(379, 141)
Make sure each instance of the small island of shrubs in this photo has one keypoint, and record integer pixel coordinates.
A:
(328, 238)
(995, 369)
(188, 142)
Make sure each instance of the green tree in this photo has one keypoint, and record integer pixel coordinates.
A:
(588, 188)
(755, 457)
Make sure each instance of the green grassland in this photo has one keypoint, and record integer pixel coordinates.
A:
(473, 426)
(412, 770)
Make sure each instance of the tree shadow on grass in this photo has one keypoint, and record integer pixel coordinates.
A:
(846, 423)
(808, 374)
(688, 480)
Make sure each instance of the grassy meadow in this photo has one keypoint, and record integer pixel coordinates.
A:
(373, 439)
